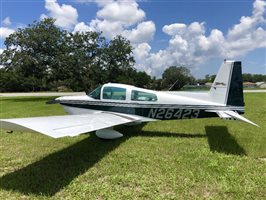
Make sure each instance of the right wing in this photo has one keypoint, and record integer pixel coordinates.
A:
(67, 125)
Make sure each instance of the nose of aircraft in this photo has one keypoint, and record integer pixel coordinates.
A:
(54, 101)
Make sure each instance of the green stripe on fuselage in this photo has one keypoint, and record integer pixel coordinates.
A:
(162, 113)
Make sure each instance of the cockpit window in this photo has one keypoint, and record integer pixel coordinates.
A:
(96, 94)
(142, 96)
(114, 93)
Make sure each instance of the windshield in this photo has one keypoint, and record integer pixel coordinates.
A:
(96, 94)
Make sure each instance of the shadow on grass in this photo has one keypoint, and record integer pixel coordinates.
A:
(220, 140)
(137, 131)
(52, 173)
(143, 133)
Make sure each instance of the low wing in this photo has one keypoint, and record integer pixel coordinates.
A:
(228, 115)
(67, 125)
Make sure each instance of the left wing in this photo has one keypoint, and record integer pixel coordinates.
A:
(67, 125)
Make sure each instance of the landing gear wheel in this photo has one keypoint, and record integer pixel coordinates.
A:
(109, 134)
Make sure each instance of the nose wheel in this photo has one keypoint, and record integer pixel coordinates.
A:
(108, 133)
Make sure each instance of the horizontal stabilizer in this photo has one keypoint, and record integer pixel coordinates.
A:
(231, 115)
(66, 125)
(223, 115)
(239, 117)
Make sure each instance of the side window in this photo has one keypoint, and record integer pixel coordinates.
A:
(142, 96)
(114, 93)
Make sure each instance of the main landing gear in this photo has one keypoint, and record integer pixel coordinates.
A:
(108, 133)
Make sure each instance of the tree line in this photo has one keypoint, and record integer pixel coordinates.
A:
(43, 57)
(246, 77)
(254, 78)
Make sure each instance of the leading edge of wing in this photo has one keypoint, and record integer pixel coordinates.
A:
(66, 125)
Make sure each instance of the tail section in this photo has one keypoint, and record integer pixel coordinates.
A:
(227, 87)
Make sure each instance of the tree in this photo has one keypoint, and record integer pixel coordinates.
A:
(176, 77)
(46, 57)
(142, 79)
(84, 61)
(34, 52)
(254, 78)
(206, 79)
(117, 59)
(156, 84)
(97, 61)
(212, 78)
(247, 77)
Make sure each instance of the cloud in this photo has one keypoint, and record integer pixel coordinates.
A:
(125, 12)
(82, 27)
(249, 33)
(144, 32)
(187, 46)
(6, 21)
(142, 51)
(174, 29)
(5, 32)
(119, 18)
(99, 2)
(108, 28)
(66, 16)
(190, 46)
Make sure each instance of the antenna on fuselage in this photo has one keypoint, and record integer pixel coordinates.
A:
(172, 85)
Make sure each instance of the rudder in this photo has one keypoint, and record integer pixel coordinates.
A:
(235, 94)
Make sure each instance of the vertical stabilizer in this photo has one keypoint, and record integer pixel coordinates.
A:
(227, 87)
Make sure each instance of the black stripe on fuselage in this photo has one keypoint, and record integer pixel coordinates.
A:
(155, 111)
(145, 105)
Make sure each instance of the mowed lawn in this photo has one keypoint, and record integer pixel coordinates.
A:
(189, 159)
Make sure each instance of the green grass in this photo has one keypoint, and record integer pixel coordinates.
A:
(189, 159)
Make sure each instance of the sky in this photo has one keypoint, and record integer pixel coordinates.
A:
(198, 34)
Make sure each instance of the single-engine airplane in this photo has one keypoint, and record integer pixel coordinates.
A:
(115, 104)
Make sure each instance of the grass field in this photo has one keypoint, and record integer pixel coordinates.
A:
(189, 159)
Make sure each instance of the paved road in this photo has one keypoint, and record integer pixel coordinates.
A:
(41, 94)
(205, 91)
(252, 91)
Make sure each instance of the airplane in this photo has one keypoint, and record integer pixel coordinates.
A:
(114, 104)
